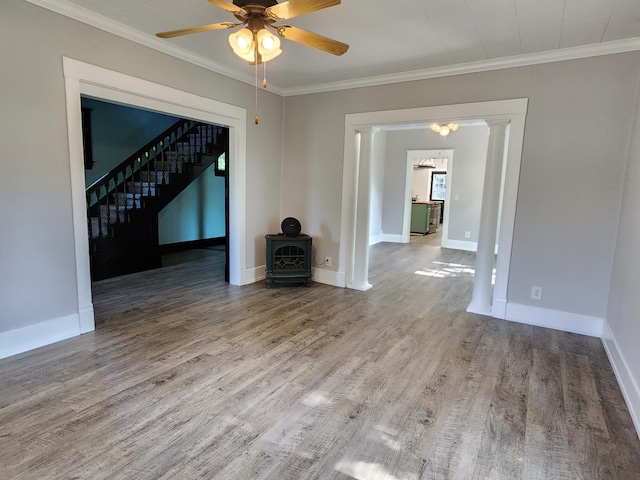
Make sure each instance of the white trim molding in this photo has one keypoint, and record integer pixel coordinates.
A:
(630, 389)
(393, 238)
(459, 245)
(554, 319)
(89, 17)
(320, 275)
(253, 275)
(355, 178)
(375, 239)
(551, 56)
(97, 82)
(30, 337)
(329, 277)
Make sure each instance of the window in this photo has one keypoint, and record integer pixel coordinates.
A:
(221, 166)
(438, 185)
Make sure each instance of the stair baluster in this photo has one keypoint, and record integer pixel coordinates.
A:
(113, 199)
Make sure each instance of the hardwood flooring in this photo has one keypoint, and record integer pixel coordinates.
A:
(187, 377)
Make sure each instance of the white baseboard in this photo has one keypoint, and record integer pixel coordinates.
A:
(375, 239)
(360, 286)
(87, 320)
(628, 385)
(499, 308)
(480, 309)
(253, 275)
(460, 245)
(392, 238)
(320, 275)
(329, 277)
(27, 338)
(555, 319)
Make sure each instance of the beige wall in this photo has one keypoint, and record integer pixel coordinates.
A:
(37, 264)
(579, 116)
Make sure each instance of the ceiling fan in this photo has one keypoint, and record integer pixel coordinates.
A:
(255, 43)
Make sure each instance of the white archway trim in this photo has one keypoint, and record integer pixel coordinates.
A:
(90, 80)
(513, 111)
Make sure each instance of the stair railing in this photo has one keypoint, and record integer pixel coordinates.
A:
(110, 198)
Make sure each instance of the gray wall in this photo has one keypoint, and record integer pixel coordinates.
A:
(579, 116)
(466, 176)
(580, 119)
(623, 314)
(37, 258)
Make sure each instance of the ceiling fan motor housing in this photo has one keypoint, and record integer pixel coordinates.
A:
(260, 3)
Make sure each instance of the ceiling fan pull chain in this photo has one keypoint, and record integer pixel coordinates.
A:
(256, 82)
(264, 75)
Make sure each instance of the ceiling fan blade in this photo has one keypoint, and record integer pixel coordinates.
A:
(201, 28)
(312, 39)
(295, 8)
(229, 7)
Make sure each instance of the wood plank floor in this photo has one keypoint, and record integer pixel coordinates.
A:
(187, 377)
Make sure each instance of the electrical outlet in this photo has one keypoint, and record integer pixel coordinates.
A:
(327, 261)
(467, 234)
(536, 293)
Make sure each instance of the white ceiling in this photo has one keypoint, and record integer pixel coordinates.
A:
(390, 40)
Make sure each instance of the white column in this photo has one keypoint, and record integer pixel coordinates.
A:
(360, 278)
(485, 255)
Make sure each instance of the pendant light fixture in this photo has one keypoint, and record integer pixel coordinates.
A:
(444, 130)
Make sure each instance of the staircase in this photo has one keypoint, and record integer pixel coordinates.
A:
(123, 205)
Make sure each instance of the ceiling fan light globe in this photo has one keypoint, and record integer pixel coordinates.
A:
(453, 126)
(435, 127)
(268, 43)
(250, 56)
(444, 130)
(242, 42)
(271, 55)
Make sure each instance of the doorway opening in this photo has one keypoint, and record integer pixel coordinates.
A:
(149, 169)
(359, 131)
(100, 83)
(421, 165)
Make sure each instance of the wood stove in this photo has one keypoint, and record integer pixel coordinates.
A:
(288, 260)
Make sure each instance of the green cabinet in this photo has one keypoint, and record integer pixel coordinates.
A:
(425, 217)
(420, 217)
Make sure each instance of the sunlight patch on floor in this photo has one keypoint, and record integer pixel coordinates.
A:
(388, 438)
(316, 399)
(444, 270)
(365, 471)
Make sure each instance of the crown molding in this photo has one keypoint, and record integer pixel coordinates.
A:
(573, 53)
(106, 24)
(88, 17)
